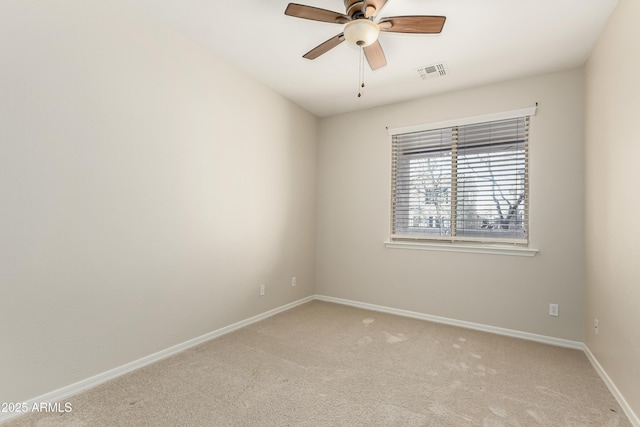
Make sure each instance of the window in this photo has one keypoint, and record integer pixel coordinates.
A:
(462, 183)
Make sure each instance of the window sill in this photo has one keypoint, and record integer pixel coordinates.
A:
(476, 249)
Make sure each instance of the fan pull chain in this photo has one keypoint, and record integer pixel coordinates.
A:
(361, 72)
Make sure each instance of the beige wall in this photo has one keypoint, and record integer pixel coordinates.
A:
(146, 190)
(503, 291)
(145, 194)
(612, 203)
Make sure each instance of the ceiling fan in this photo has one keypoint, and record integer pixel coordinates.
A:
(360, 28)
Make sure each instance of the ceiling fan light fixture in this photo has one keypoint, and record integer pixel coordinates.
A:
(361, 32)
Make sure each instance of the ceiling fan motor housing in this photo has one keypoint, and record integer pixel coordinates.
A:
(353, 8)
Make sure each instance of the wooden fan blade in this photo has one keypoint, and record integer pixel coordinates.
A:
(375, 55)
(412, 24)
(324, 47)
(315, 14)
(373, 7)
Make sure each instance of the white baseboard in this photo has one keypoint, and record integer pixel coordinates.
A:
(65, 393)
(635, 420)
(73, 389)
(461, 323)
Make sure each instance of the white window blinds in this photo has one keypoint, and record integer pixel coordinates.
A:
(462, 183)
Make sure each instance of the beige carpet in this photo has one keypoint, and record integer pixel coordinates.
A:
(323, 364)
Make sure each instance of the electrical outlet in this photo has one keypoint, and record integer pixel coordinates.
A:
(293, 281)
(596, 327)
(553, 310)
(262, 289)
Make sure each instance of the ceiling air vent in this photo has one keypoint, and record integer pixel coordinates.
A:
(431, 71)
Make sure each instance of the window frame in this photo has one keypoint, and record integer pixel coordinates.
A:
(505, 246)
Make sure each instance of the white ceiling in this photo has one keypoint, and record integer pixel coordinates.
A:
(482, 41)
